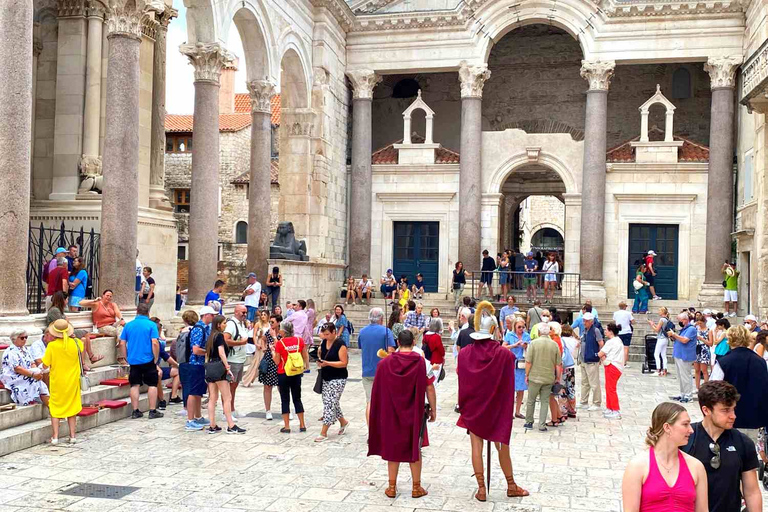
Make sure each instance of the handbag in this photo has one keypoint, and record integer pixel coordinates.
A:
(520, 364)
(85, 384)
(319, 382)
(215, 371)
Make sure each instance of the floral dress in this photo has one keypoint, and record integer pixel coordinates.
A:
(270, 377)
(24, 390)
(703, 354)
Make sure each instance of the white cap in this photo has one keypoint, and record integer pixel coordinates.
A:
(651, 253)
(206, 310)
(750, 318)
(707, 312)
(588, 316)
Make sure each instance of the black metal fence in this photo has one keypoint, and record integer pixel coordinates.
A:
(43, 242)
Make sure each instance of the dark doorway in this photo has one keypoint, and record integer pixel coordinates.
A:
(416, 250)
(662, 239)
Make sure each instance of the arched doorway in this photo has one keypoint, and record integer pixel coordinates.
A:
(547, 240)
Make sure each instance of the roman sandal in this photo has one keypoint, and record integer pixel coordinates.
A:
(418, 490)
(480, 494)
(391, 491)
(514, 490)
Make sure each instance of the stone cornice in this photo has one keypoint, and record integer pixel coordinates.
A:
(598, 74)
(363, 83)
(71, 8)
(208, 60)
(722, 71)
(473, 79)
(125, 18)
(261, 92)
(340, 11)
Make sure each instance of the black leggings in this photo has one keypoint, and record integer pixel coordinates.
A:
(290, 386)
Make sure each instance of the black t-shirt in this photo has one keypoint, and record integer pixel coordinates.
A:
(218, 341)
(464, 339)
(150, 281)
(489, 263)
(737, 455)
(332, 355)
(519, 260)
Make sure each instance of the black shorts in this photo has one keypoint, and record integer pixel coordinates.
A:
(143, 374)
(486, 277)
(650, 278)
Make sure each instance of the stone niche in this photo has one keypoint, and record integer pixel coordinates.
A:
(660, 152)
(414, 154)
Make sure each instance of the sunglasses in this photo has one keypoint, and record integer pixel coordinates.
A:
(715, 461)
(22, 337)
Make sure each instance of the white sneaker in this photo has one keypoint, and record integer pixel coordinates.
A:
(269, 415)
(236, 415)
(582, 406)
(614, 415)
(732, 315)
(182, 412)
(593, 408)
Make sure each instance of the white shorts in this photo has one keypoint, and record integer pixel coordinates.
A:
(550, 277)
(731, 296)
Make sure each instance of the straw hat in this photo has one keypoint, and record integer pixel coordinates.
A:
(59, 327)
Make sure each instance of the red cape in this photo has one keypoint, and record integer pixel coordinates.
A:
(397, 407)
(487, 390)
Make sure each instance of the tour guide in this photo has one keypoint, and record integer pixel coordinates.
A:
(487, 397)
(401, 385)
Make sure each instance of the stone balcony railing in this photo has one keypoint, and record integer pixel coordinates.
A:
(754, 80)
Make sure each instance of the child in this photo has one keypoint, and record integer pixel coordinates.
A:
(418, 287)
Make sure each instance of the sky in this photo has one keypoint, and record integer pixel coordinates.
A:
(179, 85)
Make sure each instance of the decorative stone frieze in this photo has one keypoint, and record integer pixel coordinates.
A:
(363, 82)
(722, 71)
(261, 92)
(598, 74)
(340, 11)
(125, 17)
(473, 79)
(149, 27)
(208, 60)
(71, 8)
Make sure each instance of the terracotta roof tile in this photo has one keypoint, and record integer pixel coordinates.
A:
(227, 122)
(689, 152)
(388, 155)
(245, 178)
(243, 105)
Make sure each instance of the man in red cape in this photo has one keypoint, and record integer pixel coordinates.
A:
(397, 428)
(487, 397)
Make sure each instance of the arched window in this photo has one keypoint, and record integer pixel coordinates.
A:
(241, 232)
(681, 84)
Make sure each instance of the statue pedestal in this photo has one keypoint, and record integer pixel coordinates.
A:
(303, 279)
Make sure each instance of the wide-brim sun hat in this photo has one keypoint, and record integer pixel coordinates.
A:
(730, 271)
(59, 327)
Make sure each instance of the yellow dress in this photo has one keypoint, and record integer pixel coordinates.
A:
(404, 299)
(62, 357)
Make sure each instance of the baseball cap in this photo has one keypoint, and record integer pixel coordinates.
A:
(750, 318)
(252, 274)
(389, 271)
(207, 310)
(707, 312)
(60, 250)
(529, 254)
(588, 316)
(651, 253)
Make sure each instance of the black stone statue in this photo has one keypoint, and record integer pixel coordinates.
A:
(285, 246)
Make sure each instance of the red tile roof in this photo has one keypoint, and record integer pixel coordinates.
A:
(389, 155)
(689, 152)
(243, 104)
(245, 178)
(227, 122)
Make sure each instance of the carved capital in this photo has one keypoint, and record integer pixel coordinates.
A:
(598, 73)
(208, 60)
(125, 17)
(95, 9)
(473, 79)
(165, 18)
(70, 8)
(722, 70)
(363, 83)
(261, 92)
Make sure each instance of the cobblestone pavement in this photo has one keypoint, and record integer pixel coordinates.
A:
(577, 466)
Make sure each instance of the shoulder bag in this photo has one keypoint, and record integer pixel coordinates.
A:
(85, 384)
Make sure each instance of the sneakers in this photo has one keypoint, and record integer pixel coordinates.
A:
(685, 400)
(676, 398)
(136, 414)
(182, 412)
(155, 414)
(613, 415)
(626, 365)
(583, 406)
(176, 400)
(192, 426)
(543, 429)
(732, 315)
(202, 421)
(162, 404)
(72, 440)
(235, 430)
(213, 430)
(528, 426)
(656, 297)
(593, 408)
(236, 415)
(269, 415)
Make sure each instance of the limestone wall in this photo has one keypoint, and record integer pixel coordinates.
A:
(540, 212)
(45, 109)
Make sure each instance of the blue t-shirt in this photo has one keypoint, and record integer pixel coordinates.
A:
(198, 336)
(530, 265)
(138, 335)
(212, 295)
(686, 351)
(163, 355)
(371, 338)
(79, 290)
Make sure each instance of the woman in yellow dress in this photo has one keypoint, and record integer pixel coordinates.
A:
(63, 357)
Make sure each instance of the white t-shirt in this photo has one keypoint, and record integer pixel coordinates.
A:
(614, 352)
(234, 327)
(253, 299)
(364, 285)
(572, 344)
(550, 267)
(37, 350)
(623, 318)
(711, 322)
(138, 269)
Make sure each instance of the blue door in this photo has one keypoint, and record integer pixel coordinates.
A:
(662, 239)
(416, 251)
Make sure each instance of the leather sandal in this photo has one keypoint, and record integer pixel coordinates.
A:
(391, 491)
(480, 495)
(514, 490)
(418, 490)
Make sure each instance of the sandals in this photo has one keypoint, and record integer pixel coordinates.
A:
(480, 495)
(514, 490)
(519, 416)
(321, 438)
(391, 491)
(343, 429)
(301, 429)
(552, 423)
(285, 430)
(418, 491)
(96, 358)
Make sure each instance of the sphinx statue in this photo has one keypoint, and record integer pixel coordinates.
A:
(285, 246)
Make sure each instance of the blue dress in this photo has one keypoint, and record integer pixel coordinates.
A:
(511, 338)
(343, 322)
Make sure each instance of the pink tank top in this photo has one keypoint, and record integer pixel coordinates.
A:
(657, 496)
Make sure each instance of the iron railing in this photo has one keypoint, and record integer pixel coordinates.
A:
(43, 242)
(567, 290)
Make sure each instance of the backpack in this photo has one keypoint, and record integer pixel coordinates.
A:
(230, 350)
(294, 363)
(183, 347)
(350, 327)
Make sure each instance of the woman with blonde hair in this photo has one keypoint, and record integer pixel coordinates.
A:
(665, 479)
(260, 326)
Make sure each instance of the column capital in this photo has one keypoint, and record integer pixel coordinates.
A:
(208, 60)
(598, 73)
(261, 92)
(71, 8)
(722, 71)
(164, 19)
(125, 17)
(95, 9)
(473, 79)
(363, 83)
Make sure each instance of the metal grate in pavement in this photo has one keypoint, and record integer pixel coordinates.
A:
(110, 492)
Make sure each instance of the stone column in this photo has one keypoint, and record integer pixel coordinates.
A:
(120, 193)
(722, 72)
(208, 60)
(157, 197)
(37, 49)
(361, 188)
(15, 129)
(90, 163)
(470, 175)
(259, 205)
(598, 74)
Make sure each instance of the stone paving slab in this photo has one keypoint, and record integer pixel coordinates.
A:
(178, 471)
